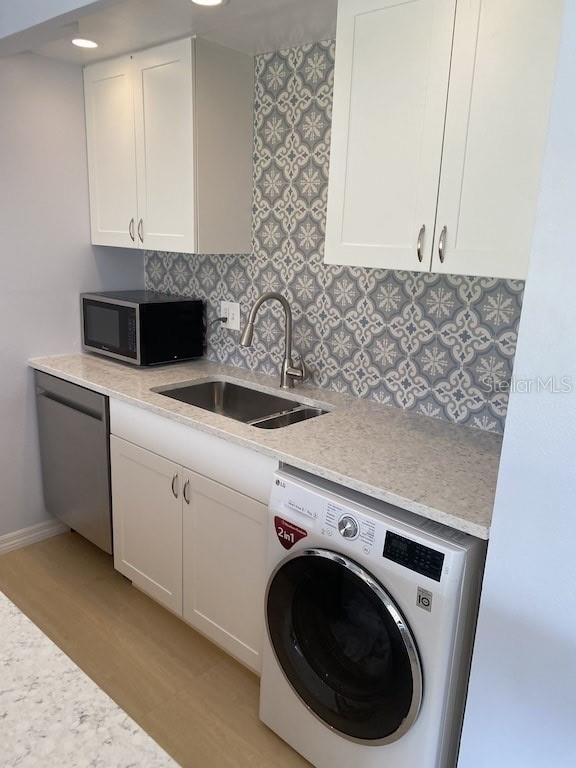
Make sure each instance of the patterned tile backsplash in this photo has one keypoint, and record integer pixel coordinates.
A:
(440, 344)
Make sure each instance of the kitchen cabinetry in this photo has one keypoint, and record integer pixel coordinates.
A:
(190, 515)
(224, 544)
(111, 152)
(147, 521)
(391, 80)
(169, 133)
(501, 79)
(164, 125)
(439, 129)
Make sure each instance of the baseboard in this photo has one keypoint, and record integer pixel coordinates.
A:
(31, 535)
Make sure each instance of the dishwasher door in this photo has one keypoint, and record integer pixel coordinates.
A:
(73, 426)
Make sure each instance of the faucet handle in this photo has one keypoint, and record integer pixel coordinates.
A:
(298, 370)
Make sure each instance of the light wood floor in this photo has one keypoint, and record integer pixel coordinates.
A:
(195, 701)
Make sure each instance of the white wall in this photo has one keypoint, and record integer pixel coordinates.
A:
(45, 258)
(521, 709)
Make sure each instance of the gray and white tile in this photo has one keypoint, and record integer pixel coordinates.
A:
(426, 342)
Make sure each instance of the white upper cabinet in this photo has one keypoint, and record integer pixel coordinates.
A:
(391, 83)
(439, 126)
(176, 132)
(501, 81)
(163, 88)
(111, 152)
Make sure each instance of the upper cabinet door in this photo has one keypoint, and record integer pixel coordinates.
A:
(391, 83)
(163, 96)
(111, 153)
(500, 90)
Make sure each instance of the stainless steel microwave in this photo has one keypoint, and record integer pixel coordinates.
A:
(143, 327)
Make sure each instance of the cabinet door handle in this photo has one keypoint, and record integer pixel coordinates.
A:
(131, 229)
(442, 245)
(186, 492)
(141, 230)
(420, 242)
(175, 485)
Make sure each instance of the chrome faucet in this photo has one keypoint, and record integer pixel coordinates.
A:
(289, 371)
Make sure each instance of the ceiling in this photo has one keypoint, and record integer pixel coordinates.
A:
(252, 26)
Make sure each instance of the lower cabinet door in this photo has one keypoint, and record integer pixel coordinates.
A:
(147, 521)
(224, 546)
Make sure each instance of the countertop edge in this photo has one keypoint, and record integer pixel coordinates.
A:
(54, 713)
(465, 526)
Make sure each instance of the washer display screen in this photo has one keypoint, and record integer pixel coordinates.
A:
(412, 555)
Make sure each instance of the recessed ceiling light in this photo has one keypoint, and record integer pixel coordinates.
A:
(209, 2)
(82, 43)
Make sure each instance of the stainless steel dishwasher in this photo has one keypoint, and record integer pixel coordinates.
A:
(74, 428)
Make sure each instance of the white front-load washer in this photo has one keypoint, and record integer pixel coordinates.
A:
(370, 614)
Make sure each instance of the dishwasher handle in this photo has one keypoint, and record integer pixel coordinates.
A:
(72, 396)
(99, 415)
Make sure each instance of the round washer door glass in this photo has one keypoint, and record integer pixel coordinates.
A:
(344, 646)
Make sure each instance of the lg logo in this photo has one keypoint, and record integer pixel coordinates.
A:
(424, 599)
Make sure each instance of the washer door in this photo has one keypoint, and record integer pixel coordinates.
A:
(344, 646)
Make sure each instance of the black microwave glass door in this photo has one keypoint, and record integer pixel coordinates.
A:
(171, 331)
(110, 327)
(344, 646)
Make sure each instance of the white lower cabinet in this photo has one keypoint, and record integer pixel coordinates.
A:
(147, 521)
(224, 544)
(190, 530)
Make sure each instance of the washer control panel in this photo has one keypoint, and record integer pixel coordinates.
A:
(301, 512)
(348, 527)
(360, 532)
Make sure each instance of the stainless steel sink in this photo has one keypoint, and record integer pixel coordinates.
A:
(293, 417)
(245, 404)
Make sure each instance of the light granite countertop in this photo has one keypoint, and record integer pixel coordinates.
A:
(53, 716)
(435, 469)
